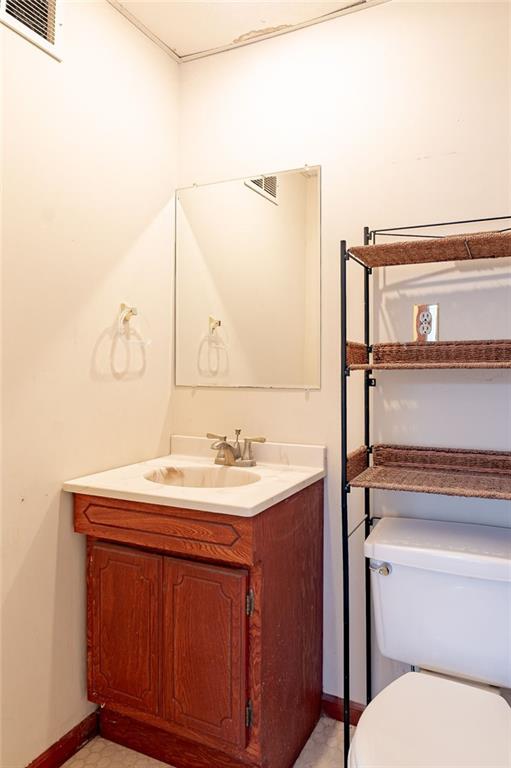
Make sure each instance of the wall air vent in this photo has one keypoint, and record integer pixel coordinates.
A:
(265, 186)
(36, 20)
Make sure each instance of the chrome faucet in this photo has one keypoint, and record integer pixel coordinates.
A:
(226, 454)
(230, 454)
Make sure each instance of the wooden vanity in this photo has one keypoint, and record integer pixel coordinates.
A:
(204, 630)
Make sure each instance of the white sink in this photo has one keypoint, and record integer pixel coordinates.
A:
(202, 477)
(188, 479)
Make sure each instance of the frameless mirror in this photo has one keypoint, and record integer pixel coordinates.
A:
(248, 282)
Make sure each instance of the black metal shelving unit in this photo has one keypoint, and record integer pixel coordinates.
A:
(370, 238)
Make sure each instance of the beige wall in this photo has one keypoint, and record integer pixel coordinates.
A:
(89, 149)
(406, 107)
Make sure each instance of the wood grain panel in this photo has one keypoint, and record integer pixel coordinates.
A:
(165, 746)
(252, 752)
(124, 626)
(203, 535)
(255, 680)
(289, 539)
(204, 649)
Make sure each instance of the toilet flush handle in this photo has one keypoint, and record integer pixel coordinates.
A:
(383, 569)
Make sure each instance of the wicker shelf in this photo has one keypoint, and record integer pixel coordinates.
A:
(450, 472)
(486, 245)
(483, 354)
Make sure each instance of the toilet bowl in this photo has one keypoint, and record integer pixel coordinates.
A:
(442, 602)
(425, 721)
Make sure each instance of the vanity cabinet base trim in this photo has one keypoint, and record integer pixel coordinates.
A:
(163, 745)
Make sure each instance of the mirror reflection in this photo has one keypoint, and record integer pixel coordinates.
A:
(248, 282)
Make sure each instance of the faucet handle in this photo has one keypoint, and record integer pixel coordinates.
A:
(212, 436)
(236, 446)
(248, 455)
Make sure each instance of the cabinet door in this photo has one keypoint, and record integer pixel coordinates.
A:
(205, 649)
(124, 598)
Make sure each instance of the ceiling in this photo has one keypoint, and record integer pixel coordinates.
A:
(190, 29)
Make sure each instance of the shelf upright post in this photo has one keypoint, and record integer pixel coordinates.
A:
(344, 507)
(367, 493)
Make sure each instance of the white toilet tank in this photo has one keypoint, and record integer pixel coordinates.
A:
(442, 596)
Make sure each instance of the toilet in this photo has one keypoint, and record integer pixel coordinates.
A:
(442, 604)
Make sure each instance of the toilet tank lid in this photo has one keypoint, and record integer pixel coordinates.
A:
(463, 549)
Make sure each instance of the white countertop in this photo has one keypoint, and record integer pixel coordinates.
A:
(288, 468)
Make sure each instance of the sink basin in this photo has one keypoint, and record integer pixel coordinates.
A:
(188, 478)
(202, 477)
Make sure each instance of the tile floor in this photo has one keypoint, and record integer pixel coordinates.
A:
(323, 750)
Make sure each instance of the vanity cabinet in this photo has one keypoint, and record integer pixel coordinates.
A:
(186, 621)
(205, 630)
